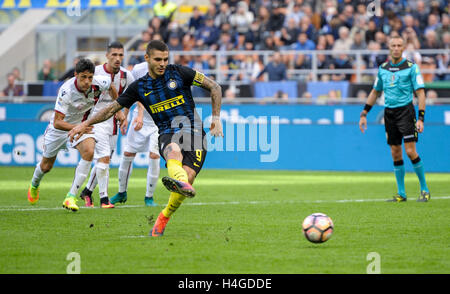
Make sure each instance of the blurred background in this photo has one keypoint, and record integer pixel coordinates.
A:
(312, 63)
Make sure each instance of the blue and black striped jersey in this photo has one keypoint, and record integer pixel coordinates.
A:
(168, 99)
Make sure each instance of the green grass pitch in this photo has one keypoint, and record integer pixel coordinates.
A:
(240, 222)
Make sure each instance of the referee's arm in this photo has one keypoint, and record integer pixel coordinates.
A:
(420, 93)
(373, 96)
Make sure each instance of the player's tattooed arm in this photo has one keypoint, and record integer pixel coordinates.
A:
(101, 116)
(216, 101)
(216, 94)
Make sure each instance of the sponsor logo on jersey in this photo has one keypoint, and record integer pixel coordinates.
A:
(167, 104)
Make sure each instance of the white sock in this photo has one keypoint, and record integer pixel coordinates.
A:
(152, 176)
(81, 173)
(125, 168)
(37, 175)
(92, 182)
(103, 178)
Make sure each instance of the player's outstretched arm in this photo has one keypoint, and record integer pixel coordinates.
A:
(216, 101)
(101, 116)
(374, 94)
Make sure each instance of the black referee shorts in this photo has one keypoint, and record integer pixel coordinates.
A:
(400, 124)
(193, 147)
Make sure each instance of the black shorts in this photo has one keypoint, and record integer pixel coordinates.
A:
(193, 148)
(400, 124)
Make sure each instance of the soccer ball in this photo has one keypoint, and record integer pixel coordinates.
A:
(317, 227)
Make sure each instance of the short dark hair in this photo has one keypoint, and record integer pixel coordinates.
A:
(115, 45)
(84, 65)
(156, 45)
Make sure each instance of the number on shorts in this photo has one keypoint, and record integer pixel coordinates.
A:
(198, 154)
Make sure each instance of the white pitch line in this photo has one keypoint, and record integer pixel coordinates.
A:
(23, 208)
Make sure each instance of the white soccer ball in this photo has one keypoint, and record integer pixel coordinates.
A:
(317, 227)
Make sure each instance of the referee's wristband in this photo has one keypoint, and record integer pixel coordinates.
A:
(422, 115)
(367, 107)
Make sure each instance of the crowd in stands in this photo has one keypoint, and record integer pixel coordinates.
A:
(292, 25)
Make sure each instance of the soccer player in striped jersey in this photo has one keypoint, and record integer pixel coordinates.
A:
(76, 97)
(399, 79)
(106, 132)
(165, 92)
(141, 137)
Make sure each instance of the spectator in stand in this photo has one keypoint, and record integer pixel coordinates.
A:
(433, 23)
(380, 38)
(409, 24)
(307, 27)
(275, 69)
(342, 62)
(421, 15)
(269, 44)
(242, 18)
(196, 21)
(276, 19)
(303, 43)
(12, 89)
(428, 63)
(358, 41)
(371, 31)
(431, 42)
(296, 14)
(223, 16)
(165, 10)
(344, 42)
(410, 36)
(347, 16)
(445, 44)
(207, 35)
(375, 59)
(174, 28)
(47, 73)
(70, 73)
(329, 12)
(174, 42)
(396, 6)
(145, 38)
(443, 28)
(16, 73)
(290, 33)
(302, 62)
(157, 26)
(224, 43)
(188, 42)
(411, 53)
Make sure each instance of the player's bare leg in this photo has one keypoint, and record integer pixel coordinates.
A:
(43, 167)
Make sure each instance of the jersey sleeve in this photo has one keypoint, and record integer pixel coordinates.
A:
(191, 77)
(130, 96)
(104, 83)
(416, 78)
(130, 78)
(62, 101)
(378, 84)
